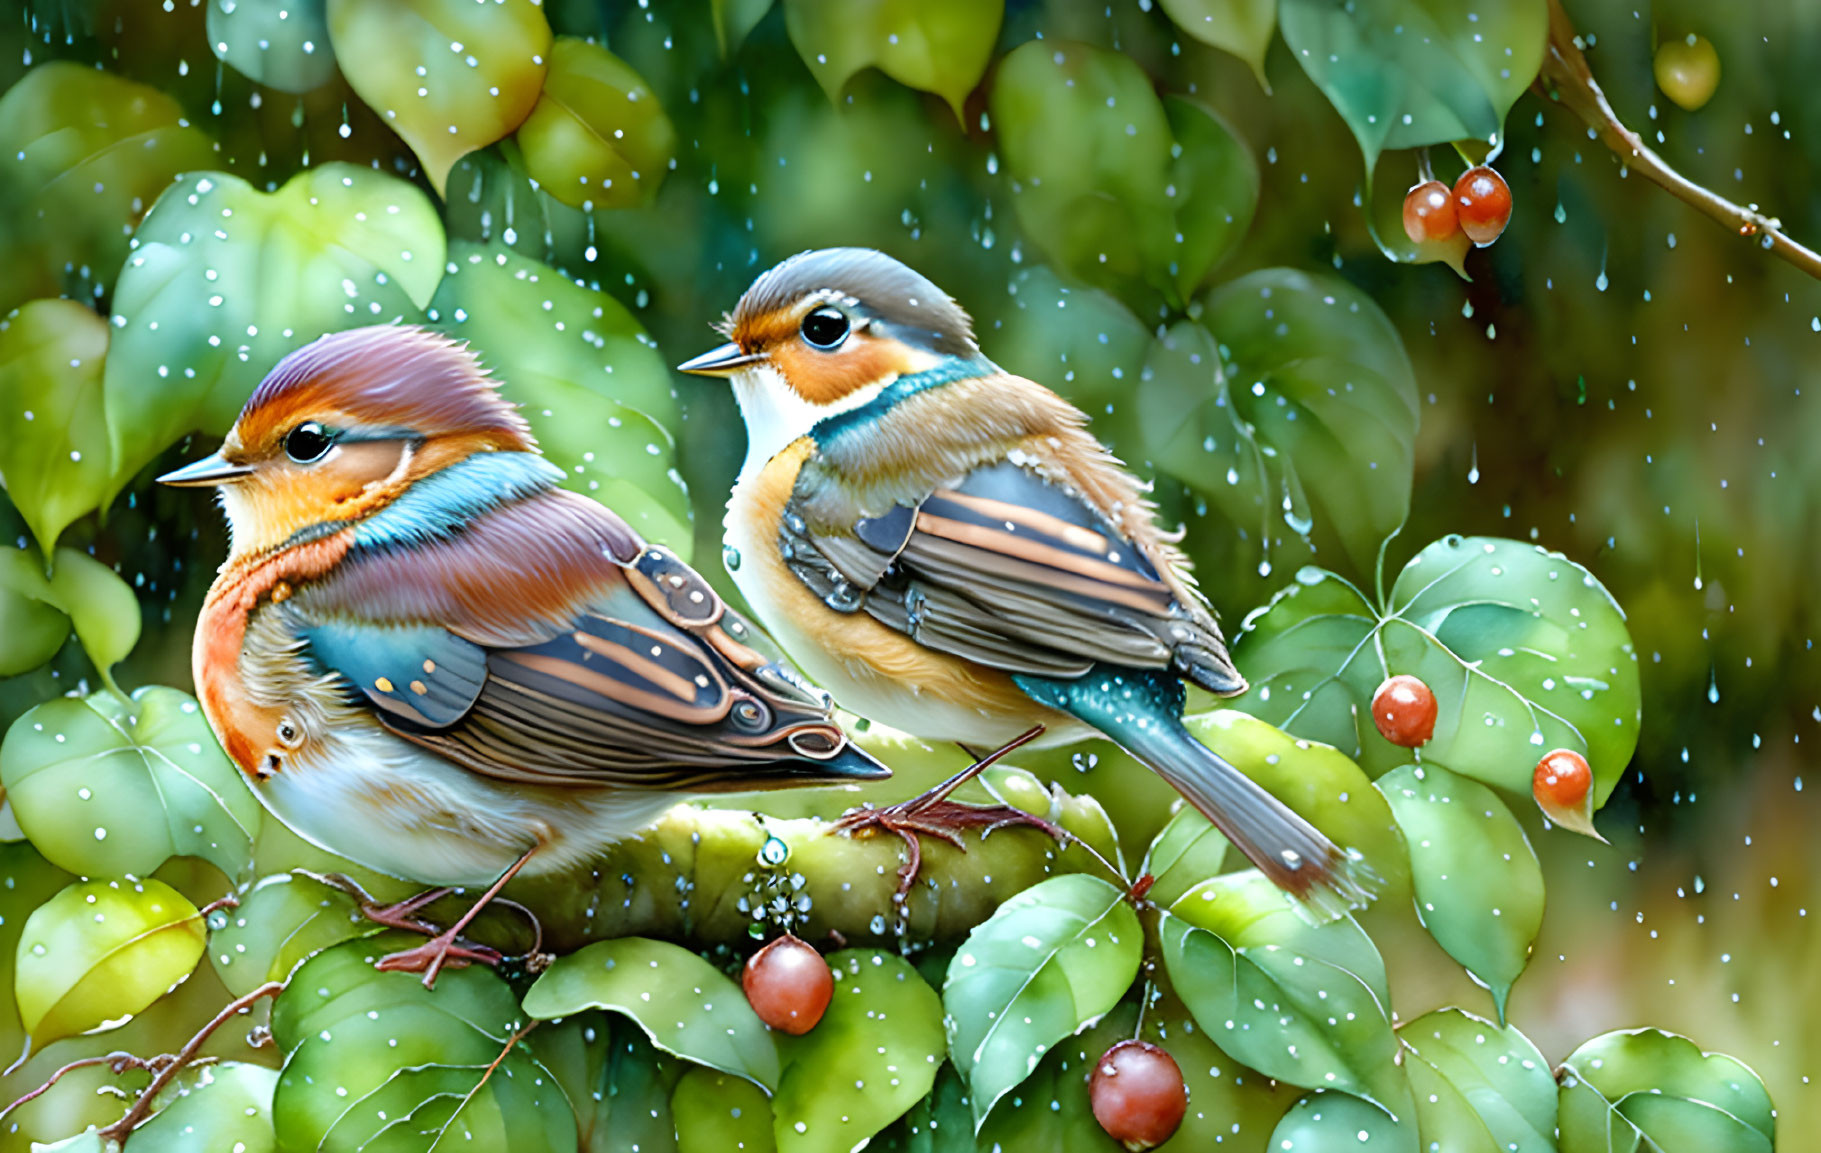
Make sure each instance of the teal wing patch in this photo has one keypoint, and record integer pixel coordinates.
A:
(419, 673)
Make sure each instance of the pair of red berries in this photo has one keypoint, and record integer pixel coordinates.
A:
(1479, 205)
(1404, 711)
(1136, 1089)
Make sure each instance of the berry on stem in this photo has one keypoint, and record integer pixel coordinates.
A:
(1482, 204)
(1138, 1094)
(1404, 710)
(788, 985)
(1429, 213)
(1563, 787)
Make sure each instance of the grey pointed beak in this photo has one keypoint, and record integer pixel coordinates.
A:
(209, 471)
(723, 361)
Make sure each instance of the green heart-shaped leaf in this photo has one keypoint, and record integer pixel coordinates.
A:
(684, 1004)
(1643, 1089)
(873, 1055)
(1122, 190)
(225, 1106)
(597, 136)
(403, 1076)
(717, 1111)
(100, 952)
(1242, 27)
(53, 438)
(1524, 650)
(939, 46)
(282, 921)
(1229, 1104)
(225, 279)
(33, 626)
(283, 46)
(105, 789)
(1301, 405)
(620, 1086)
(1479, 887)
(1326, 1122)
(83, 153)
(1303, 1003)
(1497, 1071)
(1406, 73)
(591, 382)
(341, 984)
(448, 76)
(1049, 960)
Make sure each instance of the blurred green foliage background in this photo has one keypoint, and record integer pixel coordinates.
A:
(1617, 378)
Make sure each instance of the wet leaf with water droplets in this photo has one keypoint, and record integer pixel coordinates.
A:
(1479, 887)
(406, 1077)
(1242, 27)
(1187, 852)
(684, 1004)
(1129, 193)
(214, 1107)
(101, 951)
(27, 880)
(226, 279)
(1406, 73)
(283, 46)
(34, 627)
(1051, 1110)
(1496, 1071)
(1524, 650)
(717, 1111)
(592, 384)
(873, 1055)
(448, 76)
(1305, 1004)
(620, 1086)
(106, 791)
(53, 439)
(1290, 401)
(939, 46)
(101, 606)
(597, 135)
(1328, 1122)
(1229, 1104)
(1052, 958)
(1640, 1089)
(340, 983)
(282, 920)
(83, 152)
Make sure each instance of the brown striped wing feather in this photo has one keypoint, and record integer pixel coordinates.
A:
(647, 681)
(1014, 571)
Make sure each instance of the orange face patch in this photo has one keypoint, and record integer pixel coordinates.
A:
(823, 378)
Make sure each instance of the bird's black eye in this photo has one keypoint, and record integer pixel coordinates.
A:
(307, 442)
(825, 328)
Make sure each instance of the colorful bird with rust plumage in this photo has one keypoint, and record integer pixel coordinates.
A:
(428, 658)
(947, 549)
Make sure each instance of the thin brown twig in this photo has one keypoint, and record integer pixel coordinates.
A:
(123, 1128)
(120, 1061)
(1566, 77)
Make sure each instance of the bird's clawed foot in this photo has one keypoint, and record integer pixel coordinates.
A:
(933, 814)
(446, 950)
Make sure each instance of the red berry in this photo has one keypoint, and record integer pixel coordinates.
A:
(788, 985)
(1482, 203)
(1562, 780)
(1429, 213)
(1138, 1094)
(1404, 710)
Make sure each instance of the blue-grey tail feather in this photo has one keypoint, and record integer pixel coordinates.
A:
(1142, 712)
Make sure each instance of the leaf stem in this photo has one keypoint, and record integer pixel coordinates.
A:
(1566, 78)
